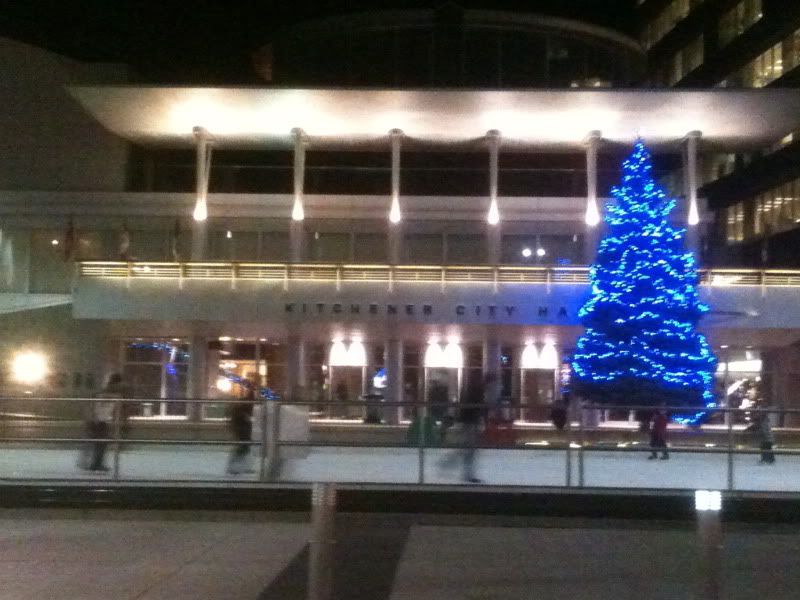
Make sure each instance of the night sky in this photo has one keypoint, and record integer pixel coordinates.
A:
(210, 41)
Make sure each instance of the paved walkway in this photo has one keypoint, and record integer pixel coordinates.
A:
(130, 555)
(528, 467)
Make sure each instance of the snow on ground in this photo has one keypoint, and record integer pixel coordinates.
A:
(524, 467)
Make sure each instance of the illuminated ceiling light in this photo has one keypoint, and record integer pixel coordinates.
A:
(200, 210)
(54, 242)
(434, 356)
(29, 367)
(298, 214)
(540, 252)
(526, 252)
(493, 217)
(529, 358)
(592, 217)
(338, 356)
(394, 211)
(224, 385)
(229, 234)
(548, 359)
(357, 354)
(694, 215)
(452, 356)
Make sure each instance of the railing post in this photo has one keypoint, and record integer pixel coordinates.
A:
(116, 435)
(730, 448)
(262, 468)
(568, 458)
(580, 450)
(323, 529)
(273, 442)
(421, 445)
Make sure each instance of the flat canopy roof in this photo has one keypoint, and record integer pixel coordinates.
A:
(361, 119)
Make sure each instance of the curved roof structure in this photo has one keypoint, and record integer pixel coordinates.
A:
(361, 119)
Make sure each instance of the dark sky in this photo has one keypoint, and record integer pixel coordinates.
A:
(189, 41)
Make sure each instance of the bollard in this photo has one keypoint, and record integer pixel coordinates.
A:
(320, 557)
(708, 505)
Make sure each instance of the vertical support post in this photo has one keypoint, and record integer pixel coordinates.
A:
(568, 458)
(296, 366)
(592, 215)
(117, 433)
(202, 173)
(323, 529)
(198, 377)
(394, 377)
(581, 439)
(730, 448)
(296, 228)
(493, 232)
(266, 421)
(690, 182)
(708, 505)
(395, 237)
(423, 419)
(273, 433)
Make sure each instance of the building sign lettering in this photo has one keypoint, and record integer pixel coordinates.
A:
(492, 311)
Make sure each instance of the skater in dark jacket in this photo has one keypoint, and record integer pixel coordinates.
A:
(658, 435)
(766, 439)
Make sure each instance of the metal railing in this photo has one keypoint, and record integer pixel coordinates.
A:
(325, 272)
(583, 454)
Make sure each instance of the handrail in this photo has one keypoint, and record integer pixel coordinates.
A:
(345, 273)
(274, 445)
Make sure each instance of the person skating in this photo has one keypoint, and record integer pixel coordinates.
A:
(658, 435)
(241, 424)
(766, 438)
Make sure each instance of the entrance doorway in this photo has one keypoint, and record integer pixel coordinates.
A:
(537, 392)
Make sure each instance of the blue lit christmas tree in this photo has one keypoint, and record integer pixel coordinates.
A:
(641, 345)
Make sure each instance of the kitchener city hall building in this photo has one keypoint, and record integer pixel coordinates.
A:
(405, 196)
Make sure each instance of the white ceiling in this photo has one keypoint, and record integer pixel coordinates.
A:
(356, 119)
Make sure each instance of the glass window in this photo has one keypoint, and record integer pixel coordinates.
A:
(49, 271)
(466, 249)
(275, 246)
(370, 248)
(334, 247)
(423, 248)
(156, 369)
(13, 260)
(737, 20)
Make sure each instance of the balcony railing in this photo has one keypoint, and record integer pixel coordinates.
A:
(326, 272)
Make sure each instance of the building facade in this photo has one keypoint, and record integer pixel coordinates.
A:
(331, 242)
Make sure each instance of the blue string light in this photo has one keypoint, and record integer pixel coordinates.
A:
(641, 345)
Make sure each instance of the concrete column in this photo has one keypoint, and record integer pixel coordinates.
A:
(592, 214)
(200, 214)
(393, 363)
(296, 367)
(491, 355)
(297, 241)
(198, 364)
(493, 136)
(395, 241)
(296, 228)
(494, 238)
(690, 183)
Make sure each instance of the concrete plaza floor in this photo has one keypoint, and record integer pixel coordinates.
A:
(524, 467)
(127, 555)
